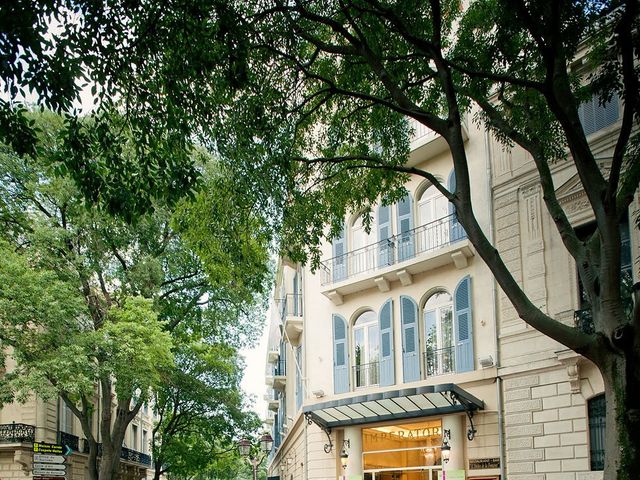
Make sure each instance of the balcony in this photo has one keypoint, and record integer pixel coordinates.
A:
(426, 247)
(126, 454)
(72, 441)
(440, 361)
(270, 419)
(366, 374)
(278, 378)
(273, 354)
(272, 401)
(425, 143)
(17, 433)
(291, 316)
(134, 456)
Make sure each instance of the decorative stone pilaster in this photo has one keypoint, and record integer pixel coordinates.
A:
(533, 246)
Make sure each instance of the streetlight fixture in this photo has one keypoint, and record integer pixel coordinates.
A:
(344, 456)
(244, 447)
(445, 450)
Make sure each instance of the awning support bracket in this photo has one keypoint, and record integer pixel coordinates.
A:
(328, 447)
(469, 410)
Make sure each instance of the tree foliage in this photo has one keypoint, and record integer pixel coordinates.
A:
(88, 299)
(307, 104)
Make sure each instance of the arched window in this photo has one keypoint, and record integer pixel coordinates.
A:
(597, 415)
(359, 237)
(432, 205)
(439, 337)
(433, 210)
(360, 258)
(366, 350)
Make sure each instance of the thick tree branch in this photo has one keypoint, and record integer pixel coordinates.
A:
(624, 40)
(180, 278)
(566, 231)
(496, 77)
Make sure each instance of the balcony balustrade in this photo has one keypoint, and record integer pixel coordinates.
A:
(279, 378)
(17, 433)
(134, 456)
(291, 306)
(399, 248)
(366, 374)
(440, 361)
(583, 320)
(279, 368)
(273, 401)
(126, 454)
(291, 316)
(72, 441)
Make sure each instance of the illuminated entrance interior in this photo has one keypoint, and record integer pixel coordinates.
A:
(402, 452)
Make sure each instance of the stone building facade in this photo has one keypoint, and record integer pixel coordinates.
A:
(51, 421)
(364, 350)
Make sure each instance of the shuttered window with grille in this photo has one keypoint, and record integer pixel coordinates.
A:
(595, 115)
(596, 431)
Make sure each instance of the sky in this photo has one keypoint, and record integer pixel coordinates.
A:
(254, 376)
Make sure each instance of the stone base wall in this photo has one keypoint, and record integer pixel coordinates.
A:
(16, 463)
(10, 468)
(546, 427)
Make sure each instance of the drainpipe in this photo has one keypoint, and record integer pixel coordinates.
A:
(494, 299)
(305, 379)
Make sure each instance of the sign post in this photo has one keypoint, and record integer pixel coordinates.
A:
(49, 461)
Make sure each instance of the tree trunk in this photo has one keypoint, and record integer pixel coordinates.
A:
(157, 471)
(111, 449)
(622, 434)
(93, 460)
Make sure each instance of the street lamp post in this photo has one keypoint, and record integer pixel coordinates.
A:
(244, 446)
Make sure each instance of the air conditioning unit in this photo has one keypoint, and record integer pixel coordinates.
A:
(486, 361)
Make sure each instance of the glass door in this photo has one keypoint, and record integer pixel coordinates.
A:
(402, 452)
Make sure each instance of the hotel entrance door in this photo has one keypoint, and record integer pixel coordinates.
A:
(409, 451)
(422, 474)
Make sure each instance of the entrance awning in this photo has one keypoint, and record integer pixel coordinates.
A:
(402, 404)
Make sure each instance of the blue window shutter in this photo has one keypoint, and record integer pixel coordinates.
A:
(339, 266)
(463, 326)
(594, 116)
(385, 249)
(405, 225)
(387, 373)
(340, 357)
(410, 356)
(456, 232)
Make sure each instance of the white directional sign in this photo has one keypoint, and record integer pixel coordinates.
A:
(48, 473)
(49, 466)
(43, 458)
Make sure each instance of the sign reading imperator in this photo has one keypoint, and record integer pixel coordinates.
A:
(48, 461)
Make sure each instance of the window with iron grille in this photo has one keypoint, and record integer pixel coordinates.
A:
(596, 115)
(596, 431)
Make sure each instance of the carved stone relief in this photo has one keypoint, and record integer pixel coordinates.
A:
(502, 158)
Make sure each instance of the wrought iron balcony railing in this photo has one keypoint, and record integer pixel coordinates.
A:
(290, 305)
(17, 432)
(72, 441)
(279, 368)
(125, 454)
(366, 374)
(135, 456)
(583, 320)
(440, 361)
(404, 246)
